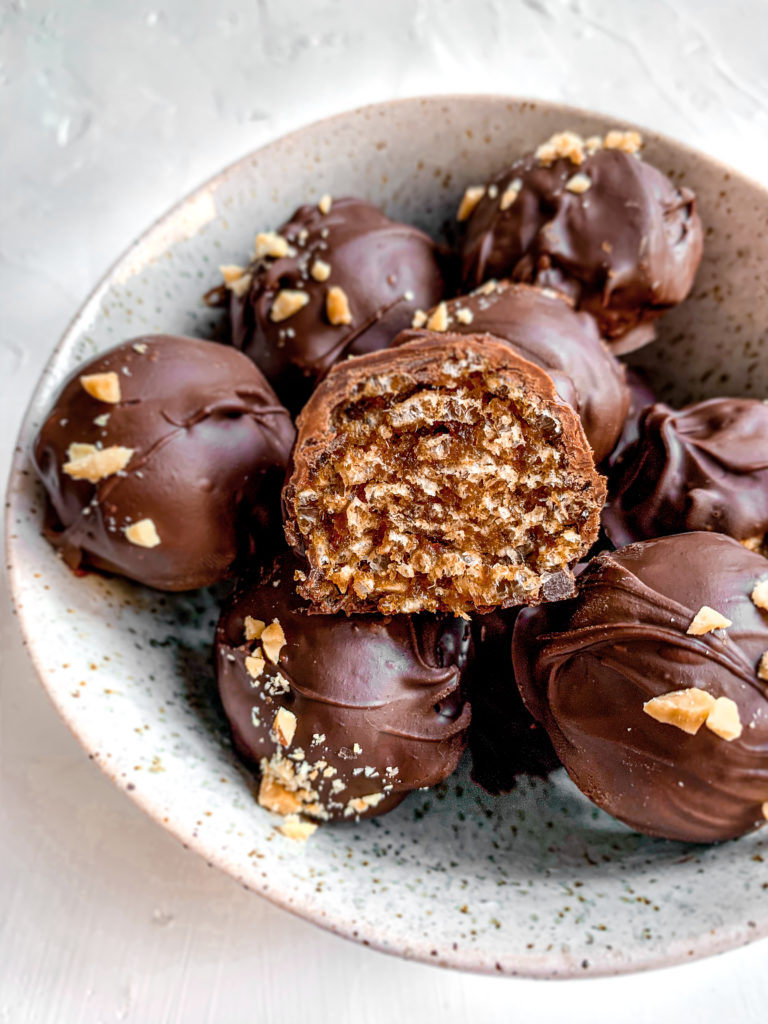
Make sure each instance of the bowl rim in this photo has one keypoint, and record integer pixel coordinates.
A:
(708, 944)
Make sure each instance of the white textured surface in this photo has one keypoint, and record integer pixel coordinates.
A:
(110, 112)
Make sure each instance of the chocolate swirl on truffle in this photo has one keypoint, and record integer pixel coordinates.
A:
(349, 280)
(591, 219)
(704, 467)
(163, 460)
(372, 705)
(587, 667)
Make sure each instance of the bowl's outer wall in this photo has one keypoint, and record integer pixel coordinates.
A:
(538, 883)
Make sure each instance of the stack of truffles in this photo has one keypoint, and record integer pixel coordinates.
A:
(479, 529)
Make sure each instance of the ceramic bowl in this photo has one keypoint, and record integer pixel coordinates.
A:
(537, 883)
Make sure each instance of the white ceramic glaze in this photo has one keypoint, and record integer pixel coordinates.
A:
(538, 883)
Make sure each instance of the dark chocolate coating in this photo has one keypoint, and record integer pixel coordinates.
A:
(626, 250)
(704, 467)
(586, 666)
(543, 327)
(505, 741)
(383, 693)
(387, 270)
(641, 395)
(210, 442)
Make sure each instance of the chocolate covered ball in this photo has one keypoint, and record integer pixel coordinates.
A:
(591, 219)
(704, 467)
(542, 326)
(443, 474)
(505, 740)
(653, 685)
(338, 279)
(163, 460)
(343, 716)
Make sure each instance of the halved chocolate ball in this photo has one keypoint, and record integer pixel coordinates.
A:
(445, 474)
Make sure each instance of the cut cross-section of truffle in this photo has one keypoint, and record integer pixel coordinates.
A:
(542, 326)
(338, 279)
(594, 220)
(648, 683)
(353, 713)
(163, 460)
(445, 474)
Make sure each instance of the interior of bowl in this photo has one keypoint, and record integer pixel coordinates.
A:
(537, 883)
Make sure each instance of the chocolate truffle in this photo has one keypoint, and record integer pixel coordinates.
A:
(542, 326)
(445, 474)
(592, 219)
(704, 467)
(505, 741)
(652, 684)
(163, 460)
(338, 279)
(344, 716)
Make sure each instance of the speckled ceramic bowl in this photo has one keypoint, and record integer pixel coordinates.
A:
(538, 883)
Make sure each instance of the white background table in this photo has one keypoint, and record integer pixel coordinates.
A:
(110, 110)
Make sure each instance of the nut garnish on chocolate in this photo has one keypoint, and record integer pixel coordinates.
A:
(442, 475)
(665, 729)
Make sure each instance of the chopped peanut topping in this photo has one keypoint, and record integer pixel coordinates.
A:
(359, 804)
(273, 641)
(419, 318)
(269, 243)
(231, 272)
(759, 594)
(103, 386)
(254, 665)
(277, 798)
(337, 306)
(762, 668)
(320, 270)
(724, 719)
(579, 183)
(705, 620)
(510, 194)
(294, 828)
(439, 319)
(143, 533)
(324, 206)
(562, 145)
(685, 709)
(627, 142)
(764, 809)
(284, 726)
(253, 628)
(592, 144)
(287, 302)
(235, 279)
(469, 201)
(140, 347)
(95, 464)
(465, 316)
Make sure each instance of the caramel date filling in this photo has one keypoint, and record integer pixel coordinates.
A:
(453, 495)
